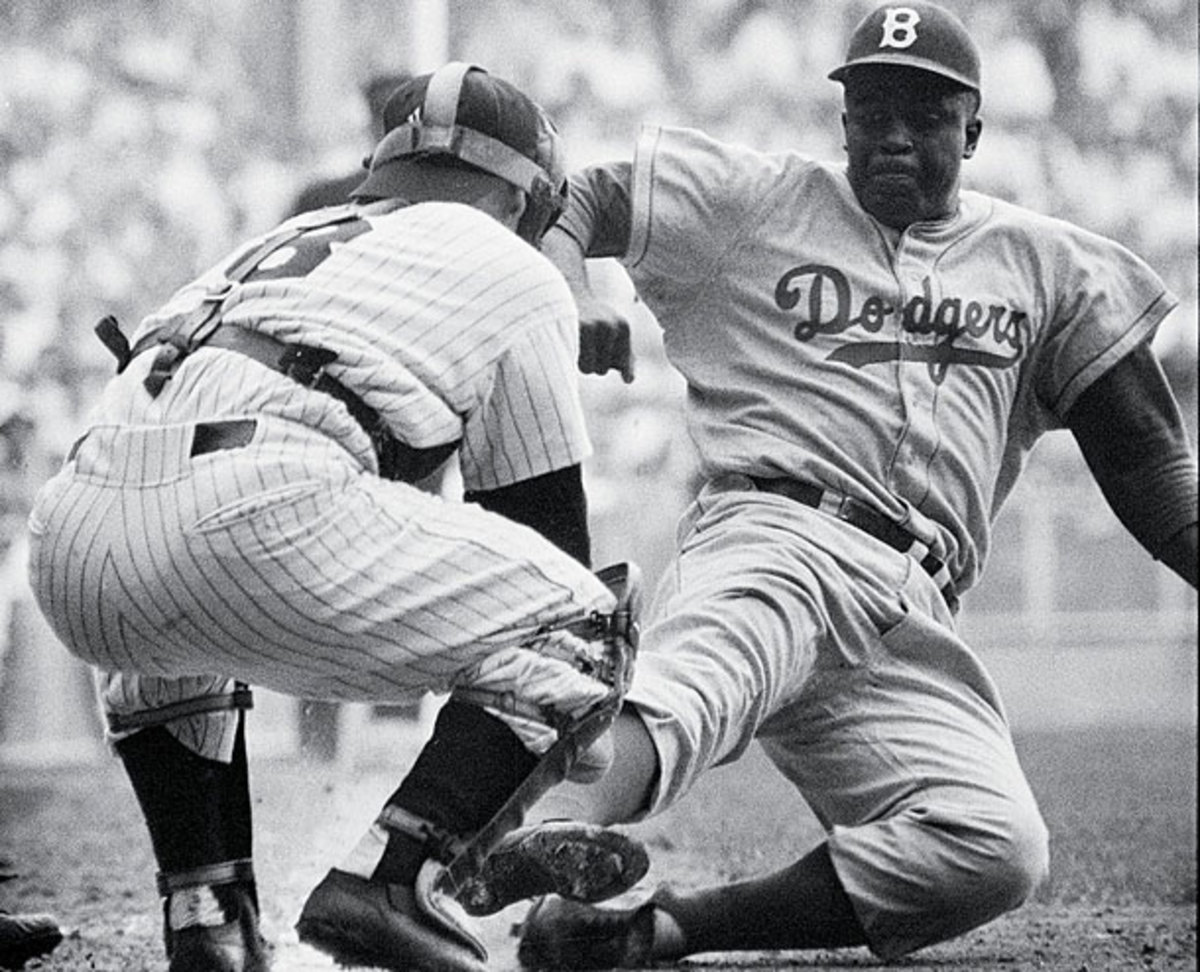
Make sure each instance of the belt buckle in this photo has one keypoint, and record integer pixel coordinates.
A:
(305, 364)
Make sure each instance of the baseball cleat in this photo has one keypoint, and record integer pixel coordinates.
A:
(369, 923)
(580, 861)
(235, 946)
(559, 934)
(26, 936)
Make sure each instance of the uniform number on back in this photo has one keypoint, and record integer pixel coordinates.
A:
(305, 253)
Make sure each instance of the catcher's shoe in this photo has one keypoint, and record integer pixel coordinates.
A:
(235, 946)
(580, 861)
(26, 936)
(389, 926)
(559, 934)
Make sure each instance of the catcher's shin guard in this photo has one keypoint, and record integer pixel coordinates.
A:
(614, 638)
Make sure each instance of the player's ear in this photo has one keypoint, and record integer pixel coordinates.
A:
(973, 123)
(519, 200)
(502, 201)
(510, 205)
(974, 130)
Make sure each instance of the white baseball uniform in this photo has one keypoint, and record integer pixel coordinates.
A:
(912, 372)
(288, 563)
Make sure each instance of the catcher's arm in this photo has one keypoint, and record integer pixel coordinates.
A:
(1131, 433)
(554, 504)
(596, 224)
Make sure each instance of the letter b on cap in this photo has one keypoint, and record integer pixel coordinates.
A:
(900, 27)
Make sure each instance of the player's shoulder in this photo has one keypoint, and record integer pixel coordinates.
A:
(1057, 249)
(437, 215)
(1005, 213)
(1044, 230)
(695, 145)
(729, 173)
(444, 224)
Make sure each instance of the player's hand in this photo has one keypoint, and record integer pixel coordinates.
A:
(604, 341)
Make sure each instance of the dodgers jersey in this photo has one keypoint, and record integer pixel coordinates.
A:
(442, 321)
(914, 370)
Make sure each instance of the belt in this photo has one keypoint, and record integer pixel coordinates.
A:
(300, 363)
(858, 514)
(304, 364)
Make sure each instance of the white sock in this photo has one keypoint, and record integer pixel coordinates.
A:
(669, 941)
(194, 908)
(367, 853)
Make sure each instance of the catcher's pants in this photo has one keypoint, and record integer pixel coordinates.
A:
(779, 622)
(283, 564)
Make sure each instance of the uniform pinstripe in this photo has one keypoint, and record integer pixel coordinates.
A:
(288, 563)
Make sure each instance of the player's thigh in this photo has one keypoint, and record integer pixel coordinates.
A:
(374, 587)
(923, 716)
(735, 630)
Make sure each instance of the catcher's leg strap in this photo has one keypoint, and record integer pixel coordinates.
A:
(209, 896)
(240, 698)
(440, 844)
(617, 632)
(207, 875)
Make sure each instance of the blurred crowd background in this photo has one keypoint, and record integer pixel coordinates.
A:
(141, 139)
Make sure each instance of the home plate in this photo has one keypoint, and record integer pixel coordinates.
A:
(293, 955)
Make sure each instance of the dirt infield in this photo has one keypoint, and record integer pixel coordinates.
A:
(1121, 806)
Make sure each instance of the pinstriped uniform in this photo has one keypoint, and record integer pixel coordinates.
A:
(288, 563)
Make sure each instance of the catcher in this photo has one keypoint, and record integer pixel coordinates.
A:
(240, 510)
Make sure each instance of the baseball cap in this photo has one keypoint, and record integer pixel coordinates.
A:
(464, 112)
(917, 35)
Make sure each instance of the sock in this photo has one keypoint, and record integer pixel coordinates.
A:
(472, 763)
(801, 906)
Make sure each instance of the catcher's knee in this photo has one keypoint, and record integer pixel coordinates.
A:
(567, 673)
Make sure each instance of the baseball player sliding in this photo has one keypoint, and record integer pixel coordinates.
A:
(240, 511)
(870, 355)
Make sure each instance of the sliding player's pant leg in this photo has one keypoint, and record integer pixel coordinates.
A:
(933, 829)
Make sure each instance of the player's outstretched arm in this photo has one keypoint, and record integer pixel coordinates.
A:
(1132, 435)
(596, 224)
(604, 332)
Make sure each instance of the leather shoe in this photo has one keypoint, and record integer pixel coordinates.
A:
(379, 925)
(23, 937)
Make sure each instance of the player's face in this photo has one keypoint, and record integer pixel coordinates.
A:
(907, 133)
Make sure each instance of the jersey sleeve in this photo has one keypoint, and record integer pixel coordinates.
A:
(530, 421)
(598, 209)
(1105, 302)
(692, 196)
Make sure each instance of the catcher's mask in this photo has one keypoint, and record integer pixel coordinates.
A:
(461, 111)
